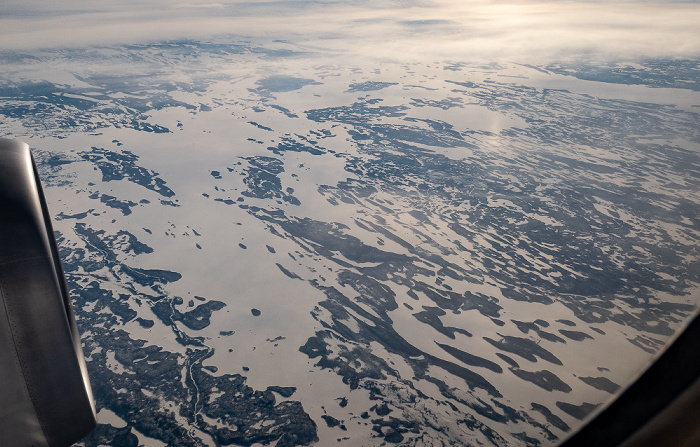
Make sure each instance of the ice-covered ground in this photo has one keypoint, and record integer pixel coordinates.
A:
(269, 242)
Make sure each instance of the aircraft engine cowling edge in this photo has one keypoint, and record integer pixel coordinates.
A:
(45, 394)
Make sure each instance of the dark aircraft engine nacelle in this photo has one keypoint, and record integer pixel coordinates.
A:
(45, 395)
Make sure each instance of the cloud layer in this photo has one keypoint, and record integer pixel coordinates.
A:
(446, 29)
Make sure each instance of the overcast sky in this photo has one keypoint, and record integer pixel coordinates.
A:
(459, 29)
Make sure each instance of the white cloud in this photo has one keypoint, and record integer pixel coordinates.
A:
(448, 29)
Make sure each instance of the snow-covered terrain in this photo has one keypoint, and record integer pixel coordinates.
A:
(269, 242)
